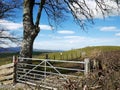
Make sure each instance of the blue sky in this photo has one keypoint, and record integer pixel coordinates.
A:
(69, 35)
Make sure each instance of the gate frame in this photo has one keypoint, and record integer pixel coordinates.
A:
(86, 63)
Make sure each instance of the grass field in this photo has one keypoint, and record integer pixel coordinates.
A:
(106, 78)
(6, 58)
(75, 54)
(79, 53)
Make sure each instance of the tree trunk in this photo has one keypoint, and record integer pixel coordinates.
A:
(30, 30)
(27, 43)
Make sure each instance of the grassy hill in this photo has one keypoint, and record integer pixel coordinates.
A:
(106, 78)
(80, 53)
(75, 54)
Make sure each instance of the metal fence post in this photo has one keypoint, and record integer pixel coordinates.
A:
(45, 65)
(86, 66)
(45, 69)
(14, 70)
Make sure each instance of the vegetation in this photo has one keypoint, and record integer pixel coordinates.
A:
(6, 58)
(78, 54)
(75, 54)
(104, 78)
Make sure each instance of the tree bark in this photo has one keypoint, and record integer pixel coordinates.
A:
(30, 30)
(27, 44)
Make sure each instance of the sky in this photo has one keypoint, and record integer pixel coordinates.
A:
(69, 36)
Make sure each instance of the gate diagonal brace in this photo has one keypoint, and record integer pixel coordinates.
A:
(31, 70)
(56, 70)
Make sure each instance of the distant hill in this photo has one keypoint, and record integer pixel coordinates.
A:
(45, 50)
(17, 49)
(10, 50)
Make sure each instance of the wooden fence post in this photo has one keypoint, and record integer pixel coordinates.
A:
(46, 56)
(71, 56)
(86, 66)
(54, 57)
(14, 70)
(61, 56)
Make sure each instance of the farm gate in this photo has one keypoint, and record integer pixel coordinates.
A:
(47, 73)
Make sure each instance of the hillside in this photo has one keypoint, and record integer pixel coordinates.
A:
(17, 50)
(75, 54)
(80, 53)
(104, 65)
(10, 50)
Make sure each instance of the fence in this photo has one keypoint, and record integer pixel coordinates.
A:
(6, 73)
(43, 72)
(48, 73)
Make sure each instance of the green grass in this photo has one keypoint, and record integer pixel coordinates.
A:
(75, 54)
(6, 58)
(79, 53)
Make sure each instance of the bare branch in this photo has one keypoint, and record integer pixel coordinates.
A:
(39, 12)
(7, 7)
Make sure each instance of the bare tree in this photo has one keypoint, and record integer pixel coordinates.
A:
(6, 12)
(7, 8)
(56, 10)
(6, 38)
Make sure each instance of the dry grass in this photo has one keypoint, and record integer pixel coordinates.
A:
(108, 77)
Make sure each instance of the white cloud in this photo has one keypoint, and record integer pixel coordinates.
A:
(65, 32)
(117, 34)
(9, 25)
(71, 37)
(69, 42)
(108, 28)
(5, 34)
(95, 10)
(46, 27)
